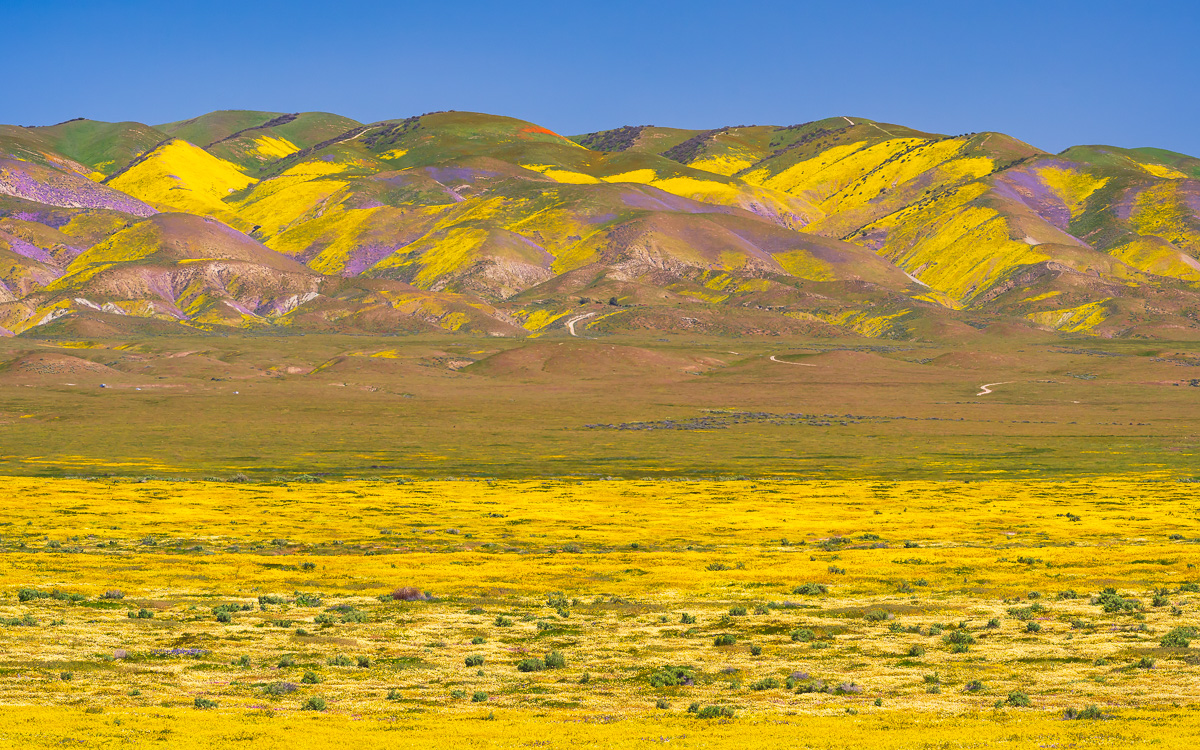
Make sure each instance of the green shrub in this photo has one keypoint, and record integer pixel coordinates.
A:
(671, 676)
(767, 683)
(811, 589)
(224, 617)
(756, 650)
(1091, 712)
(916, 650)
(314, 703)
(287, 661)
(475, 660)
(1111, 602)
(974, 686)
(341, 660)
(67, 676)
(479, 697)
(1033, 627)
(876, 615)
(242, 661)
(737, 611)
(687, 619)
(270, 599)
(394, 694)
(1178, 638)
(803, 634)
(662, 703)
(1026, 613)
(555, 660)
(364, 662)
(716, 712)
(932, 679)
(355, 615)
(310, 678)
(531, 665)
(993, 623)
(1018, 699)
(1144, 663)
(724, 640)
(204, 703)
(503, 622)
(308, 600)
(477, 640)
(958, 638)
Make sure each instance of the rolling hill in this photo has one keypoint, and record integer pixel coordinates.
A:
(478, 223)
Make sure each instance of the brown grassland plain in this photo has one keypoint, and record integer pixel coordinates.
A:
(682, 542)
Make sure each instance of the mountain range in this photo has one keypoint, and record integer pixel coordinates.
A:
(455, 221)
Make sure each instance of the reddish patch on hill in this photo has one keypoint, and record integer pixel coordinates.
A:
(536, 129)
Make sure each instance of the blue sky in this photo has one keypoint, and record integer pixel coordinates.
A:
(1051, 73)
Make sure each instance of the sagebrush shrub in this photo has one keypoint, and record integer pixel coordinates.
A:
(314, 703)
(531, 665)
(1018, 699)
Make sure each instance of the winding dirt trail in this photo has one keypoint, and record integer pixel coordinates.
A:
(987, 388)
(785, 362)
(571, 323)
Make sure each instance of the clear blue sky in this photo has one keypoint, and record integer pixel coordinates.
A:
(1051, 73)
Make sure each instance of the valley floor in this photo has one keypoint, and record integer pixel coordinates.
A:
(817, 613)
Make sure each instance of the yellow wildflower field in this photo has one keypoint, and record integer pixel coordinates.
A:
(599, 613)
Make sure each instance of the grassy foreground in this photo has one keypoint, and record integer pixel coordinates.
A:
(600, 613)
(182, 728)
